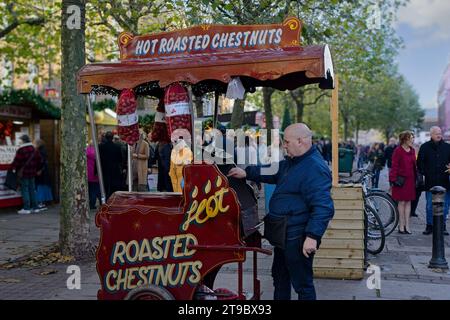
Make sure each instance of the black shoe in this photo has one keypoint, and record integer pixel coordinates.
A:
(407, 231)
(413, 215)
(445, 231)
(428, 229)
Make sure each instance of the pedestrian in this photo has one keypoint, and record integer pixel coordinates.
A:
(124, 166)
(163, 152)
(432, 161)
(93, 182)
(111, 160)
(402, 177)
(43, 182)
(141, 154)
(420, 184)
(180, 156)
(376, 157)
(26, 163)
(302, 199)
(389, 151)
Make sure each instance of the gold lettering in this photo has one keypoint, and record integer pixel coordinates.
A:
(145, 251)
(190, 239)
(143, 276)
(206, 208)
(195, 277)
(167, 241)
(109, 286)
(177, 245)
(157, 247)
(132, 244)
(131, 277)
(161, 276)
(121, 279)
(171, 268)
(119, 251)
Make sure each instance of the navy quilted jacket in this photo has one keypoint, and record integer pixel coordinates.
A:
(302, 192)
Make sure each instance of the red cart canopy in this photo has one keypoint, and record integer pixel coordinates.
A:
(221, 54)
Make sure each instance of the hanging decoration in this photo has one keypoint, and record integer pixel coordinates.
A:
(128, 127)
(178, 114)
(159, 132)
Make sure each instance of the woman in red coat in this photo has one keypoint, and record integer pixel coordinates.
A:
(402, 177)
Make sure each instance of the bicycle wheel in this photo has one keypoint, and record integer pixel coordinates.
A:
(375, 237)
(386, 209)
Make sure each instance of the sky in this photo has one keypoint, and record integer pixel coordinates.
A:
(424, 26)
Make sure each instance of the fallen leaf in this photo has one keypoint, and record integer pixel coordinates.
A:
(10, 280)
(47, 272)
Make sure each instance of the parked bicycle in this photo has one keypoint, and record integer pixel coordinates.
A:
(379, 200)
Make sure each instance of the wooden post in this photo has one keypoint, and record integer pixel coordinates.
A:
(335, 132)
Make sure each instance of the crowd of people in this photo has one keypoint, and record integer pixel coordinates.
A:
(413, 169)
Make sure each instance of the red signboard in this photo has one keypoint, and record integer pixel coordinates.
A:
(16, 112)
(206, 39)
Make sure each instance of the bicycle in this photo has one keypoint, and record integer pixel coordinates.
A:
(375, 237)
(379, 200)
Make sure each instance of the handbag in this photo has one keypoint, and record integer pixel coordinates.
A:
(400, 181)
(11, 181)
(275, 230)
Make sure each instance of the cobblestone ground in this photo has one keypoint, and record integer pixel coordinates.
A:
(404, 264)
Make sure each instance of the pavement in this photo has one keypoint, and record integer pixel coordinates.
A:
(403, 263)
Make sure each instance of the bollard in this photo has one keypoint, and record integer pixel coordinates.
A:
(438, 258)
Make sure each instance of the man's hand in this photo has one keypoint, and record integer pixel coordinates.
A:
(448, 168)
(237, 173)
(309, 247)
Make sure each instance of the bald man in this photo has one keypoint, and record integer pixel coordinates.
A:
(432, 161)
(302, 196)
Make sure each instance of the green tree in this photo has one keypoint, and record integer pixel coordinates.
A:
(30, 35)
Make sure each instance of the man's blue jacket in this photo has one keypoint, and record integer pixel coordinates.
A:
(302, 192)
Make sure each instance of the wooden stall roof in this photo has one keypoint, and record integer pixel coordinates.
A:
(282, 68)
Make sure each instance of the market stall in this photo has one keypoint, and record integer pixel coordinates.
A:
(207, 58)
(24, 112)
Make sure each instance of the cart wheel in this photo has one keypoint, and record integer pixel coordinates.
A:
(149, 292)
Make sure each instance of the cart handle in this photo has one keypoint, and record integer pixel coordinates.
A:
(230, 248)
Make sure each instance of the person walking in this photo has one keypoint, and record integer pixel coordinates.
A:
(376, 157)
(302, 199)
(93, 183)
(402, 177)
(432, 161)
(140, 163)
(27, 162)
(43, 182)
(111, 160)
(389, 151)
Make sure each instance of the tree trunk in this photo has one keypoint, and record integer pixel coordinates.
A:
(346, 122)
(298, 96)
(237, 117)
(267, 95)
(198, 106)
(357, 133)
(74, 223)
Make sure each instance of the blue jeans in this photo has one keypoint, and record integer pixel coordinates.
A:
(28, 193)
(375, 178)
(94, 194)
(291, 268)
(429, 206)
